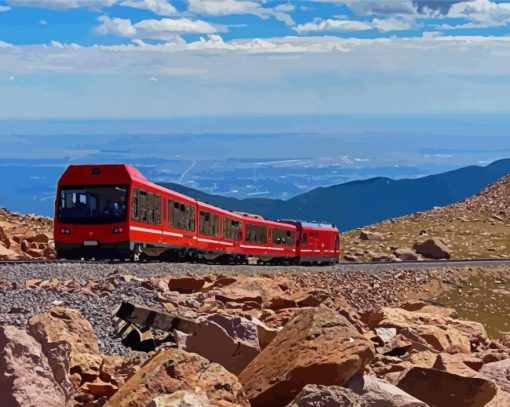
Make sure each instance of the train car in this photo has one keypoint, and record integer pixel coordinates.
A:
(316, 243)
(269, 241)
(114, 212)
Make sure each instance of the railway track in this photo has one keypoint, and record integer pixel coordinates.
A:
(340, 266)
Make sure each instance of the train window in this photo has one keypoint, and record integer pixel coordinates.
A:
(283, 237)
(256, 233)
(304, 240)
(142, 200)
(181, 216)
(232, 229)
(209, 224)
(156, 209)
(134, 205)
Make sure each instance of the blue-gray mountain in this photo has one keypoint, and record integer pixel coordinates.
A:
(359, 203)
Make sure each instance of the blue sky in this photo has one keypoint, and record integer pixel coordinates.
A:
(166, 58)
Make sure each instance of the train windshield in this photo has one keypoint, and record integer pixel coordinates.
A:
(93, 204)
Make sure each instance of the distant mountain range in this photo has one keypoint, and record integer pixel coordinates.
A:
(359, 203)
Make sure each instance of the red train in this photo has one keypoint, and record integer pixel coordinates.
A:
(113, 211)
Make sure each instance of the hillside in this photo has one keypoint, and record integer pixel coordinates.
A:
(25, 236)
(359, 203)
(477, 227)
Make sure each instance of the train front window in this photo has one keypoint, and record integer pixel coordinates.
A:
(92, 204)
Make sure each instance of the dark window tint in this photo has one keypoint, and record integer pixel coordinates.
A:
(181, 216)
(146, 207)
(256, 234)
(283, 237)
(209, 224)
(92, 204)
(232, 229)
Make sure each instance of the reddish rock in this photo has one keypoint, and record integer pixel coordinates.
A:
(64, 324)
(377, 392)
(61, 332)
(433, 248)
(499, 372)
(459, 363)
(186, 285)
(406, 254)
(26, 379)
(173, 370)
(98, 388)
(39, 238)
(318, 346)
(228, 340)
(443, 389)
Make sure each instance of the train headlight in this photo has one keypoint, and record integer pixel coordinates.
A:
(65, 231)
(118, 230)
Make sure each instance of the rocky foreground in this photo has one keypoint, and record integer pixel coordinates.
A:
(240, 336)
(475, 228)
(24, 237)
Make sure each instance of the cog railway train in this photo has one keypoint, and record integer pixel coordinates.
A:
(114, 212)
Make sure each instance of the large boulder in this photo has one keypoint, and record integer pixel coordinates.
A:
(433, 248)
(26, 379)
(377, 392)
(63, 332)
(64, 324)
(367, 235)
(443, 389)
(186, 285)
(499, 372)
(249, 289)
(173, 370)
(440, 332)
(325, 396)
(319, 346)
(231, 341)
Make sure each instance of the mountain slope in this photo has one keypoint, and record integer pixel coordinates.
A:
(477, 227)
(360, 203)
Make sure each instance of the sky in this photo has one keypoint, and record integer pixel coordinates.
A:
(188, 58)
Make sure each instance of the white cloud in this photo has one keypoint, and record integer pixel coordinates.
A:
(166, 28)
(392, 24)
(333, 25)
(57, 44)
(115, 26)
(160, 7)
(4, 8)
(229, 7)
(153, 79)
(261, 76)
(64, 4)
(4, 44)
(382, 25)
(480, 13)
(11, 78)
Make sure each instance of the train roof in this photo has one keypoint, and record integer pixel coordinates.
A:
(310, 225)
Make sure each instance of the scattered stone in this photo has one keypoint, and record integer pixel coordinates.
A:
(406, 254)
(499, 372)
(186, 285)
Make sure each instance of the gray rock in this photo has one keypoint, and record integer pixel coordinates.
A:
(325, 396)
(375, 392)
